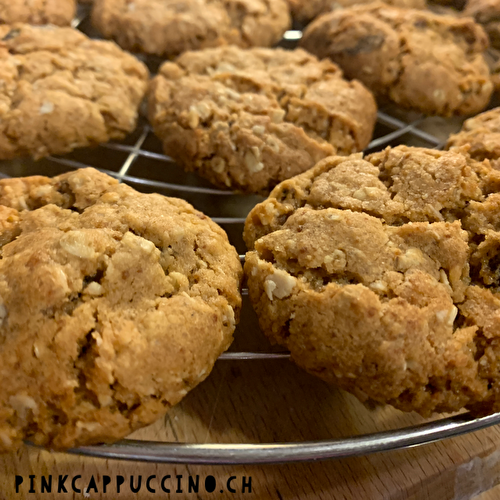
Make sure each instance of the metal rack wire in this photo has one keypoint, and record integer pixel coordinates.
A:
(139, 161)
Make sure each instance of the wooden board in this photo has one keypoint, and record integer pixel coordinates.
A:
(493, 494)
(273, 401)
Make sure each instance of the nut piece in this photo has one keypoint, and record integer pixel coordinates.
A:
(413, 257)
(252, 158)
(279, 284)
(77, 243)
(95, 289)
(336, 261)
(46, 108)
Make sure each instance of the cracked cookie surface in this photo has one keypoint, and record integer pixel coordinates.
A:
(114, 304)
(481, 134)
(304, 11)
(57, 12)
(248, 119)
(63, 91)
(170, 27)
(381, 275)
(419, 60)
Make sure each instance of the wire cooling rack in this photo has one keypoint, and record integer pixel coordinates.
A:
(139, 161)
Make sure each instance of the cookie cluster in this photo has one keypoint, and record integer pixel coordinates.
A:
(380, 273)
(242, 116)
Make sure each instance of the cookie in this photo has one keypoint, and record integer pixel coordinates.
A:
(248, 119)
(169, 27)
(61, 91)
(57, 12)
(481, 134)
(114, 304)
(487, 13)
(304, 11)
(419, 60)
(380, 275)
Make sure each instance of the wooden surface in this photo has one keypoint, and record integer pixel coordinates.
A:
(273, 401)
(493, 494)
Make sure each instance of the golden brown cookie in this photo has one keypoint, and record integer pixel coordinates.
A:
(419, 60)
(486, 13)
(114, 304)
(169, 27)
(304, 11)
(248, 119)
(381, 276)
(57, 12)
(482, 135)
(61, 91)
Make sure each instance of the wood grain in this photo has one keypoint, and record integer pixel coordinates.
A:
(493, 494)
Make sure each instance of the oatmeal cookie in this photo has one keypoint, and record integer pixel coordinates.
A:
(114, 304)
(380, 275)
(486, 13)
(419, 60)
(304, 11)
(61, 91)
(57, 12)
(481, 134)
(248, 119)
(169, 27)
